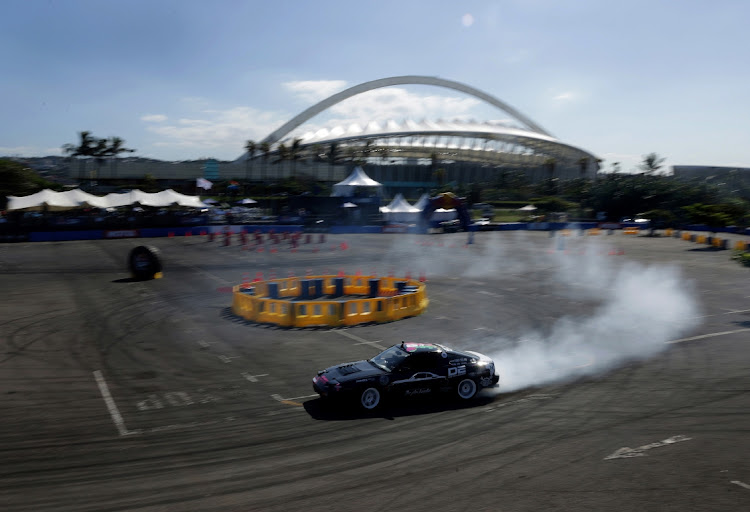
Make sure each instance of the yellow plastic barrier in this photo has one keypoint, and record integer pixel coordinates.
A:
(631, 231)
(716, 242)
(686, 236)
(565, 232)
(594, 232)
(668, 232)
(252, 303)
(244, 305)
(700, 239)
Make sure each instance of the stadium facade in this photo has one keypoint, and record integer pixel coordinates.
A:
(401, 154)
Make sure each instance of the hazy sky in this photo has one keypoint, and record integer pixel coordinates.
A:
(189, 79)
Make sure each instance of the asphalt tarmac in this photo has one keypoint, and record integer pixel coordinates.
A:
(152, 396)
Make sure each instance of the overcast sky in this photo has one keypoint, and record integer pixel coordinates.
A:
(189, 79)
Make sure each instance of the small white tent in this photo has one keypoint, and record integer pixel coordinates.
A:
(399, 210)
(356, 179)
(422, 202)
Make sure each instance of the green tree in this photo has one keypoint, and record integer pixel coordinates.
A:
(149, 183)
(83, 151)
(710, 215)
(294, 153)
(18, 180)
(250, 147)
(115, 148)
(283, 153)
(265, 148)
(333, 154)
(651, 164)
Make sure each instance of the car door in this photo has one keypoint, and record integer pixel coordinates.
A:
(418, 374)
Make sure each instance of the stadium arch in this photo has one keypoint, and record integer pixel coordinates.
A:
(327, 103)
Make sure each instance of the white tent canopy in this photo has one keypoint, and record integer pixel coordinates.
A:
(357, 178)
(422, 202)
(399, 210)
(56, 201)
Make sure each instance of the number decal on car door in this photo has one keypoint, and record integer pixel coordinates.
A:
(455, 372)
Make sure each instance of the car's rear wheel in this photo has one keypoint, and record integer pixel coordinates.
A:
(370, 398)
(466, 389)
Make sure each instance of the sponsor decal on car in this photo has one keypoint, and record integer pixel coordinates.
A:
(455, 372)
(419, 391)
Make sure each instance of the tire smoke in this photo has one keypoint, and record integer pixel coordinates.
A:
(641, 309)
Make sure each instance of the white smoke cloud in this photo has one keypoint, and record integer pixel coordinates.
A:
(637, 308)
(641, 307)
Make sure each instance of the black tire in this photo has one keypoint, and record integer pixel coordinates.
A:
(144, 262)
(466, 389)
(369, 399)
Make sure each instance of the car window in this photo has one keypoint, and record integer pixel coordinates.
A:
(423, 361)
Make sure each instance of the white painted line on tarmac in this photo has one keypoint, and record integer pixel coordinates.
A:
(111, 405)
(485, 292)
(626, 453)
(253, 378)
(184, 425)
(520, 401)
(703, 336)
(204, 343)
(226, 359)
(741, 484)
(360, 340)
(728, 312)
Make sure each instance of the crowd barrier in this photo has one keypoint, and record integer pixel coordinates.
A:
(566, 229)
(713, 241)
(338, 300)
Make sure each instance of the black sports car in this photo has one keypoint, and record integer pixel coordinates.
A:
(408, 369)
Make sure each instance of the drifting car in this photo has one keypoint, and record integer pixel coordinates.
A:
(406, 370)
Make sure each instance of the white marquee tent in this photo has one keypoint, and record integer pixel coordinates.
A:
(57, 201)
(357, 178)
(399, 210)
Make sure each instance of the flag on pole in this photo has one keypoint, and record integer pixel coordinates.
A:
(203, 183)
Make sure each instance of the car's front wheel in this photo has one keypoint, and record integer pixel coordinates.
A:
(466, 389)
(370, 398)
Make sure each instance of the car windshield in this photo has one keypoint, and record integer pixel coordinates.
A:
(390, 358)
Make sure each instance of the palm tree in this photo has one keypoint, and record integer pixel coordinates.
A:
(100, 152)
(384, 154)
(584, 163)
(250, 146)
(549, 165)
(283, 151)
(265, 148)
(294, 151)
(332, 156)
(116, 146)
(85, 149)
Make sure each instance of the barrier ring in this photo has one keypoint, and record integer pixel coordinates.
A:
(329, 300)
